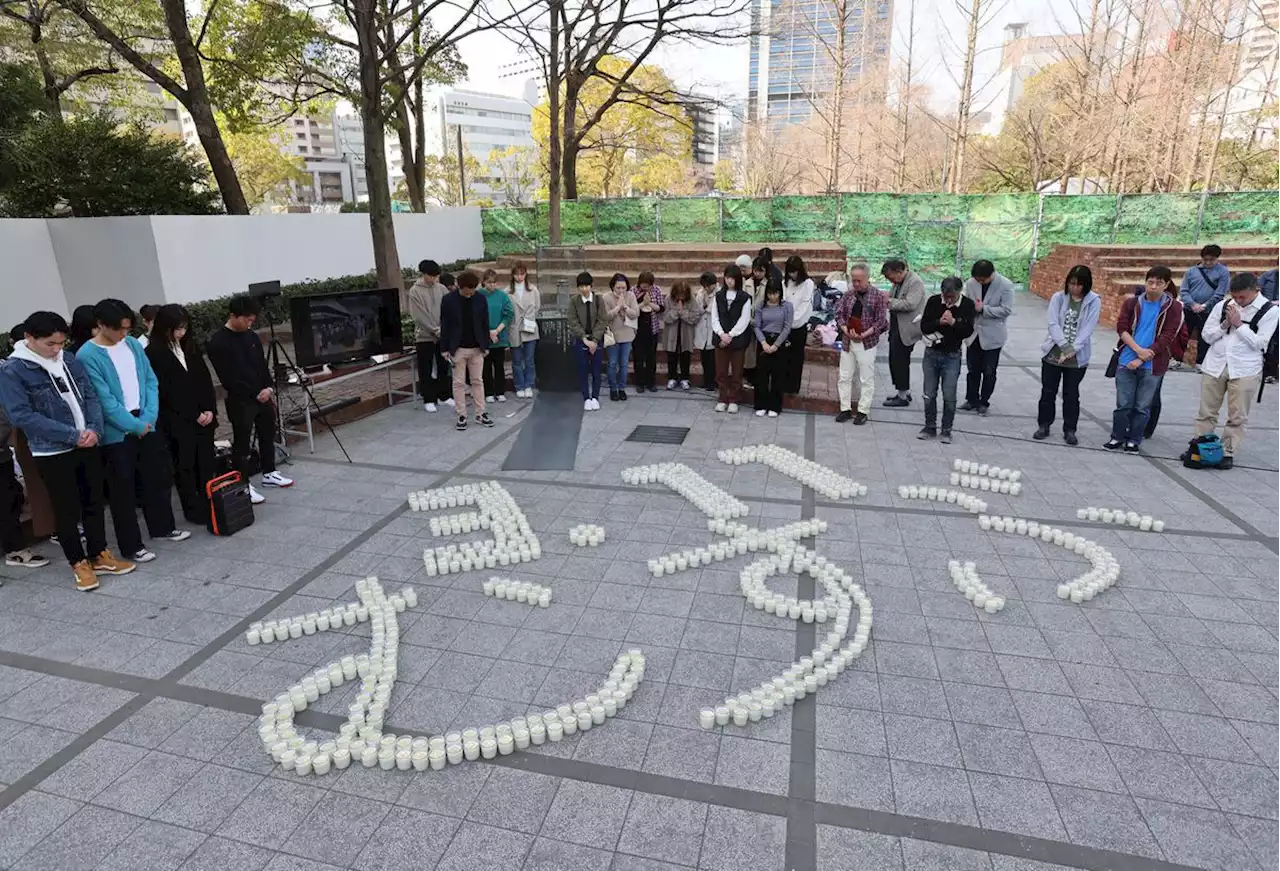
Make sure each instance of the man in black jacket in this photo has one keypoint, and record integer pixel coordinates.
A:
(946, 322)
(236, 354)
(464, 339)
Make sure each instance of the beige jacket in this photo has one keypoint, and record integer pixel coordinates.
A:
(526, 309)
(620, 310)
(684, 324)
(906, 303)
(424, 308)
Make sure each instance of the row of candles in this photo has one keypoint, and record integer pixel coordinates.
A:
(813, 475)
(709, 499)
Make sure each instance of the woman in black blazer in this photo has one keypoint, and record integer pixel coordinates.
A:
(188, 415)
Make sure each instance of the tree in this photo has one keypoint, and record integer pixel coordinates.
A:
(664, 175)
(725, 176)
(442, 182)
(513, 170)
(262, 165)
(977, 15)
(56, 43)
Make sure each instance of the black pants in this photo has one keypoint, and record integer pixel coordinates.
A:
(708, 359)
(1153, 413)
(246, 416)
(495, 372)
(192, 452)
(74, 481)
(1195, 323)
(678, 365)
(792, 361)
(644, 355)
(899, 357)
(982, 363)
(434, 381)
(11, 537)
(148, 457)
(1070, 378)
(768, 378)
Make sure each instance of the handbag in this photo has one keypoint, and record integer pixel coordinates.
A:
(1114, 363)
(609, 340)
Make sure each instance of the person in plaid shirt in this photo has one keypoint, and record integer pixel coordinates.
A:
(862, 315)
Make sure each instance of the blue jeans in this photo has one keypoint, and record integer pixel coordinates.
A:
(619, 357)
(940, 368)
(522, 364)
(588, 369)
(1135, 388)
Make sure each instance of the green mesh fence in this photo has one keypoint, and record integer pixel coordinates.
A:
(1008, 246)
(804, 219)
(747, 221)
(1157, 219)
(1084, 220)
(620, 222)
(508, 231)
(871, 228)
(1248, 216)
(690, 220)
(932, 250)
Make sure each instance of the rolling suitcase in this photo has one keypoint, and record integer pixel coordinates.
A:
(230, 507)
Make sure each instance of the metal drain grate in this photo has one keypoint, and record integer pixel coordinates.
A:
(659, 435)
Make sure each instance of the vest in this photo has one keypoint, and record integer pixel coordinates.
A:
(729, 314)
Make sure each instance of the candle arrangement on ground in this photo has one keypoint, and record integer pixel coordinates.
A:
(966, 579)
(708, 498)
(1121, 517)
(813, 475)
(986, 484)
(518, 591)
(361, 737)
(983, 470)
(513, 542)
(586, 535)
(1102, 576)
(969, 503)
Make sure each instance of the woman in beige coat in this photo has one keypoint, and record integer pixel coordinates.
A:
(623, 311)
(679, 326)
(523, 334)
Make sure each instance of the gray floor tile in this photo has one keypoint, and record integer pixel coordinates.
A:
(932, 791)
(689, 754)
(28, 821)
(735, 839)
(317, 838)
(997, 751)
(153, 846)
(840, 849)
(485, 848)
(1261, 837)
(662, 828)
(919, 739)
(147, 785)
(851, 730)
(989, 706)
(208, 798)
(928, 856)
(1099, 819)
(750, 764)
(588, 814)
(854, 780)
(514, 799)
(1239, 789)
(1130, 725)
(81, 842)
(1052, 715)
(1011, 804)
(270, 813)
(549, 855)
(93, 770)
(1160, 776)
(221, 854)
(407, 840)
(618, 743)
(1195, 836)
(1076, 762)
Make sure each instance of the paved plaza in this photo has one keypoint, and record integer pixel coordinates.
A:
(1134, 731)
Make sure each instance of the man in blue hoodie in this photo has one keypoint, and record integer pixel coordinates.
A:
(1203, 287)
(127, 388)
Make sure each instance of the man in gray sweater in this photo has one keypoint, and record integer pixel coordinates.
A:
(434, 380)
(906, 306)
(992, 296)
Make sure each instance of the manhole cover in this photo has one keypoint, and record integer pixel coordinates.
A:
(659, 435)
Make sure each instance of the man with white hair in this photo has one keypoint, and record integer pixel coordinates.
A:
(862, 315)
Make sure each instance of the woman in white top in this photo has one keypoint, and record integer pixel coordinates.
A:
(797, 290)
(523, 336)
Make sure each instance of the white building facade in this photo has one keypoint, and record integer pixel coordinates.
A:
(484, 122)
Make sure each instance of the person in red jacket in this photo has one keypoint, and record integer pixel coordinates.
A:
(1148, 326)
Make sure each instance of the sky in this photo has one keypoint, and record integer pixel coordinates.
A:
(721, 71)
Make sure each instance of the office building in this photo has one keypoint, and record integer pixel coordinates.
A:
(793, 57)
(485, 122)
(1021, 57)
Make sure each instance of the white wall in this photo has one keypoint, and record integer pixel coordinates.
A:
(59, 264)
(29, 279)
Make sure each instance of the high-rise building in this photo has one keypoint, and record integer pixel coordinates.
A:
(1258, 73)
(485, 122)
(793, 55)
(1021, 57)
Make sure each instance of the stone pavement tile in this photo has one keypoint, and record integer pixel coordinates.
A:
(1033, 675)
(28, 821)
(1053, 715)
(371, 783)
(1194, 836)
(81, 842)
(512, 681)
(1017, 641)
(919, 739)
(93, 770)
(153, 846)
(1261, 837)
(316, 837)
(969, 666)
(1014, 863)
(271, 812)
(1161, 776)
(1241, 701)
(514, 799)
(854, 689)
(485, 848)
(932, 791)
(147, 785)
(997, 751)
(1099, 819)
(652, 630)
(736, 839)
(913, 696)
(1262, 739)
(221, 854)
(549, 855)
(1237, 788)
(1101, 683)
(1081, 648)
(702, 670)
(1144, 656)
(910, 660)
(928, 856)
(850, 729)
(619, 743)
(484, 639)
(689, 754)
(246, 753)
(207, 734)
(1130, 725)
(746, 763)
(953, 636)
(1173, 693)
(152, 726)
(29, 747)
(666, 829)
(459, 672)
(989, 706)
(288, 862)
(588, 814)
(208, 798)
(406, 840)
(625, 862)
(1013, 804)
(1076, 762)
(854, 780)
(841, 849)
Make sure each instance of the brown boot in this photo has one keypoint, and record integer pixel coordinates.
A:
(106, 564)
(86, 580)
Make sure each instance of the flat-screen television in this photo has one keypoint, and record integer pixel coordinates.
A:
(345, 326)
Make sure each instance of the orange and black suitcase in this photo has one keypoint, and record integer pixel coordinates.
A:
(230, 505)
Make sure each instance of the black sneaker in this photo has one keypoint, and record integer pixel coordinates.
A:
(1070, 438)
(859, 419)
(844, 416)
(652, 389)
(896, 402)
(1227, 462)
(983, 410)
(945, 437)
(484, 419)
(613, 396)
(1113, 444)
(927, 432)
(1131, 448)
(1041, 434)
(622, 395)
(969, 406)
(462, 423)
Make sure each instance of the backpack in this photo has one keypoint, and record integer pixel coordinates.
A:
(1204, 452)
(1271, 356)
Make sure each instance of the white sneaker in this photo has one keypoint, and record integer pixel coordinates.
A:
(275, 479)
(491, 399)
(449, 402)
(586, 405)
(773, 414)
(176, 535)
(733, 408)
(26, 559)
(502, 397)
(429, 407)
(142, 556)
(595, 405)
(684, 385)
(759, 412)
(671, 385)
(720, 406)
(255, 497)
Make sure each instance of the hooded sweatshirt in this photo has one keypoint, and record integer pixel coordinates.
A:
(62, 382)
(424, 308)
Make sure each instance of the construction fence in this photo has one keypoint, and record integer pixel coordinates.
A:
(939, 234)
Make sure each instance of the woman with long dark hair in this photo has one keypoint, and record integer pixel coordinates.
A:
(1073, 315)
(730, 323)
(188, 410)
(797, 290)
(84, 326)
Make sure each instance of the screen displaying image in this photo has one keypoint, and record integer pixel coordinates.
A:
(341, 327)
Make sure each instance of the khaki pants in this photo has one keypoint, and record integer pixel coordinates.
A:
(468, 360)
(1239, 393)
(859, 361)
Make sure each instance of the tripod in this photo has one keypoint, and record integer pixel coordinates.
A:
(280, 374)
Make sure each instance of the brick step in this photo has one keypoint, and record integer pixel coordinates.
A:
(1231, 258)
(1189, 253)
(1132, 277)
(815, 265)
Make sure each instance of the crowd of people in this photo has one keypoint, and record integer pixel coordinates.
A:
(108, 419)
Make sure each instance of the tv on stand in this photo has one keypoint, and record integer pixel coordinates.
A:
(346, 326)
